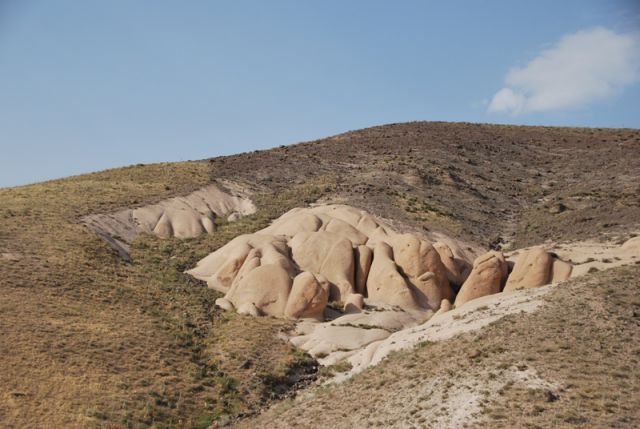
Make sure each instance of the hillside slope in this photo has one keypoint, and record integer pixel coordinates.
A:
(91, 340)
(573, 363)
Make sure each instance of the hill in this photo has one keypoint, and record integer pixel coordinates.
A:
(92, 340)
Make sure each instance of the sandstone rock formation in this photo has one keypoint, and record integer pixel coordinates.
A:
(336, 253)
(487, 277)
(363, 257)
(337, 339)
(355, 254)
(532, 269)
(445, 306)
(329, 254)
(457, 269)
(354, 303)
(308, 297)
(386, 284)
(224, 304)
(181, 217)
(536, 267)
(560, 270)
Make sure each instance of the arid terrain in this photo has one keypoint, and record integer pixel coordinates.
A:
(97, 335)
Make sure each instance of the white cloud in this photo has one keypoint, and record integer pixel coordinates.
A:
(581, 68)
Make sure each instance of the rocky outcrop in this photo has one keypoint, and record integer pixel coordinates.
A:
(385, 283)
(532, 269)
(181, 217)
(266, 287)
(356, 255)
(363, 256)
(308, 297)
(536, 267)
(353, 304)
(329, 254)
(487, 277)
(420, 263)
(335, 253)
(560, 270)
(445, 306)
(457, 268)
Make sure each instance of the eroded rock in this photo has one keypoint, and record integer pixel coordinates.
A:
(181, 217)
(308, 297)
(487, 277)
(355, 254)
(329, 254)
(532, 269)
(353, 304)
(385, 284)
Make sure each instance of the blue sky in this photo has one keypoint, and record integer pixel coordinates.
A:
(87, 85)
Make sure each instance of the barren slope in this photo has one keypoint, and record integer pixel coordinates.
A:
(490, 184)
(573, 363)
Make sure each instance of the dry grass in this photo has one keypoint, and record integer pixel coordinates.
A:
(89, 340)
(490, 184)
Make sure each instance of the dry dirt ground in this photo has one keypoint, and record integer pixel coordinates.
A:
(89, 340)
(490, 184)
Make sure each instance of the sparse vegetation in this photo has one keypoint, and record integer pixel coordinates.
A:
(92, 341)
(150, 344)
(561, 357)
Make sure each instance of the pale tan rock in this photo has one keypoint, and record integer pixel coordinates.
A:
(473, 316)
(181, 223)
(348, 214)
(445, 306)
(488, 274)
(345, 230)
(354, 303)
(224, 304)
(421, 264)
(455, 268)
(596, 254)
(328, 241)
(532, 269)
(560, 270)
(294, 223)
(228, 270)
(363, 256)
(182, 217)
(267, 287)
(328, 254)
(328, 338)
(385, 284)
(308, 297)
(221, 268)
(209, 225)
(632, 245)
(249, 309)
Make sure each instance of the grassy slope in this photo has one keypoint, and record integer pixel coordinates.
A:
(91, 341)
(585, 339)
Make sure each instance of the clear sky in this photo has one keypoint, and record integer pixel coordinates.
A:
(87, 85)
